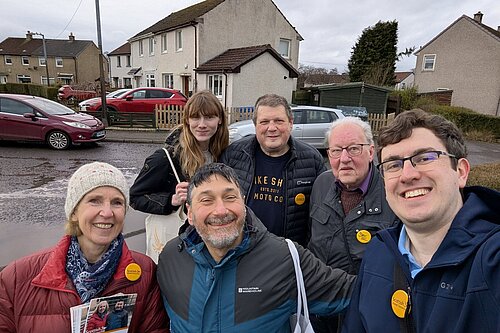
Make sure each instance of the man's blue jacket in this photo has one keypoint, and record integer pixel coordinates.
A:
(457, 291)
(252, 289)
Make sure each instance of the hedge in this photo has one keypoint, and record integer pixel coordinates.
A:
(30, 89)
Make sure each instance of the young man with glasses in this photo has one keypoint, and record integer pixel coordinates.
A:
(348, 205)
(440, 270)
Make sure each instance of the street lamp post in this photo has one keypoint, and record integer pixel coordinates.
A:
(101, 69)
(44, 55)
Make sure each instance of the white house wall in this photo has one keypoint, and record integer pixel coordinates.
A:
(467, 62)
(263, 75)
(240, 23)
(177, 62)
(119, 72)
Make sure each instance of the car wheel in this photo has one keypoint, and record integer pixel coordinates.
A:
(58, 140)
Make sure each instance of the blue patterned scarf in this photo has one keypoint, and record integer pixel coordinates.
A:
(90, 279)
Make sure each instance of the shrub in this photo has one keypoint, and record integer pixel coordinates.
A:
(408, 97)
(469, 121)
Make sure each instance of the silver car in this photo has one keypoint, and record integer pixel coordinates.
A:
(310, 123)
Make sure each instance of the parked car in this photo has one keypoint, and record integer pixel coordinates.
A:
(82, 106)
(354, 111)
(30, 118)
(310, 124)
(141, 100)
(67, 93)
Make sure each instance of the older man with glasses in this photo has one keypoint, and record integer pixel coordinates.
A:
(439, 270)
(348, 203)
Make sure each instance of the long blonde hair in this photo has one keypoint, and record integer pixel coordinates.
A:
(202, 103)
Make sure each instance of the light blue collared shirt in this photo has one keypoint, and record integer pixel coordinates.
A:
(404, 248)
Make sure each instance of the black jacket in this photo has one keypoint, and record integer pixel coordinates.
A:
(154, 187)
(305, 164)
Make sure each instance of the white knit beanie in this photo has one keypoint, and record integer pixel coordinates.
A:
(91, 176)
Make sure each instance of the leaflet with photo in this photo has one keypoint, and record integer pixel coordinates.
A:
(104, 314)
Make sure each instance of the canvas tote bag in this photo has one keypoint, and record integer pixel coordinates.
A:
(299, 322)
(162, 228)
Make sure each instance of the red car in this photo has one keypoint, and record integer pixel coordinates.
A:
(67, 93)
(30, 118)
(141, 100)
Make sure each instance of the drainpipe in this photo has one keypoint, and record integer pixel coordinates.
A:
(225, 89)
(195, 81)
(498, 107)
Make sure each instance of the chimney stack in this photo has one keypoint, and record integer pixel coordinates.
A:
(478, 17)
(71, 37)
(29, 36)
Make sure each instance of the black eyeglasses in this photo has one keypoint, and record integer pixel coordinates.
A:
(352, 150)
(420, 161)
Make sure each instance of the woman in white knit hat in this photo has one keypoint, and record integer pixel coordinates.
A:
(92, 260)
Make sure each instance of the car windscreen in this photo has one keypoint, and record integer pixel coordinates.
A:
(50, 107)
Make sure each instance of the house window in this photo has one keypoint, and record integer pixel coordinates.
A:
(59, 62)
(164, 43)
(152, 46)
(23, 78)
(150, 80)
(25, 60)
(168, 80)
(41, 61)
(118, 61)
(8, 60)
(215, 84)
(141, 48)
(284, 48)
(178, 40)
(428, 62)
(127, 82)
(43, 80)
(128, 61)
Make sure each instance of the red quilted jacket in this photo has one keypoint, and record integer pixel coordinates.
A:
(36, 294)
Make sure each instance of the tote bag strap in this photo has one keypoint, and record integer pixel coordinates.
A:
(301, 291)
(172, 165)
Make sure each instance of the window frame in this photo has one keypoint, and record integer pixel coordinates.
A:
(151, 43)
(164, 43)
(118, 61)
(23, 58)
(215, 84)
(61, 61)
(21, 77)
(8, 60)
(178, 40)
(168, 80)
(150, 80)
(289, 47)
(128, 60)
(424, 62)
(42, 62)
(141, 48)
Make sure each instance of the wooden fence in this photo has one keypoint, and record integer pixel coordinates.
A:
(169, 116)
(378, 120)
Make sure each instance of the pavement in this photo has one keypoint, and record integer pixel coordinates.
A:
(136, 135)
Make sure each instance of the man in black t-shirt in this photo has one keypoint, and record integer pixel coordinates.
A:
(276, 171)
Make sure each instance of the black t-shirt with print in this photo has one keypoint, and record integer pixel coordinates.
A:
(267, 195)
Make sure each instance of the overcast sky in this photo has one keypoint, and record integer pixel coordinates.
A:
(330, 28)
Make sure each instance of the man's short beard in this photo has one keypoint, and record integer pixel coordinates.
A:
(226, 239)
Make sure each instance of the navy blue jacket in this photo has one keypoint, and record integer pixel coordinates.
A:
(457, 291)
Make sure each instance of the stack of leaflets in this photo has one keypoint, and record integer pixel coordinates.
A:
(103, 314)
